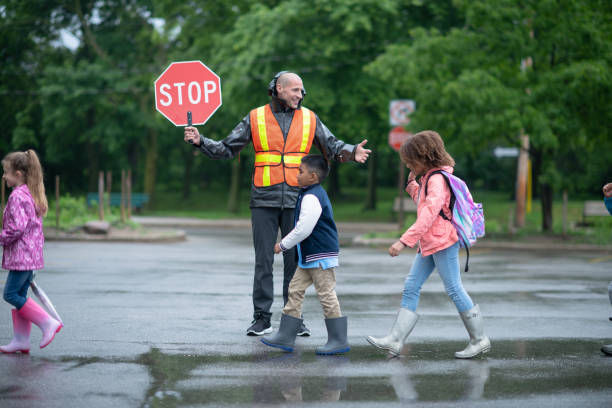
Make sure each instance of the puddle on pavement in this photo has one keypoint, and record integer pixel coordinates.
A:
(427, 372)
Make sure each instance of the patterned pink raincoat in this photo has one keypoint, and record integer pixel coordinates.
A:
(22, 234)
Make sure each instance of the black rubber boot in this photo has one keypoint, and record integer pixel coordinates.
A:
(337, 342)
(285, 336)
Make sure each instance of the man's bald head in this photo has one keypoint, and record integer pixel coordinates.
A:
(288, 77)
(290, 89)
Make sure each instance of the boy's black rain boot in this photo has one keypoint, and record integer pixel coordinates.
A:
(285, 336)
(337, 342)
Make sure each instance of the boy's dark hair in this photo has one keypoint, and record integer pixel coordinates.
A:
(317, 164)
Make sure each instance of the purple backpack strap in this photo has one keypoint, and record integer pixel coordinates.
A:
(452, 198)
(450, 206)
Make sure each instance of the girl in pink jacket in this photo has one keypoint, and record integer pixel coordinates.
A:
(438, 246)
(22, 239)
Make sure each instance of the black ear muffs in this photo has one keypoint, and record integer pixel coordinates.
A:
(272, 86)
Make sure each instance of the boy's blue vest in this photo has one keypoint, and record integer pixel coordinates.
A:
(323, 241)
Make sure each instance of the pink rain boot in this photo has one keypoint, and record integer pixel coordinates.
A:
(39, 317)
(21, 336)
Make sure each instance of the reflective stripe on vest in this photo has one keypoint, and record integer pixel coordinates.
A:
(277, 160)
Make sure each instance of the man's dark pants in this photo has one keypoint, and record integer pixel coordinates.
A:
(265, 223)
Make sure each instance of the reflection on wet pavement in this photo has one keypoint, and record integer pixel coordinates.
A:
(546, 369)
(172, 333)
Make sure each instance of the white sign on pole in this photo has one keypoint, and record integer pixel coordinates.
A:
(400, 110)
(500, 152)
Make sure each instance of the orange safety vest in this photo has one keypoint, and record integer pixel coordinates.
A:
(277, 160)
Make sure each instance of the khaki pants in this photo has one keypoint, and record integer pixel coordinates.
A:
(325, 284)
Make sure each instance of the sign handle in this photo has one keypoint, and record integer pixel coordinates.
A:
(189, 122)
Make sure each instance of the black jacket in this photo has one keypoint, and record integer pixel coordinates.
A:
(279, 195)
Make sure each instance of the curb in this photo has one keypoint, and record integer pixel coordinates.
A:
(362, 228)
(114, 235)
(184, 222)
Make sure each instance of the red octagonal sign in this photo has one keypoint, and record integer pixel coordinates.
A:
(397, 137)
(188, 86)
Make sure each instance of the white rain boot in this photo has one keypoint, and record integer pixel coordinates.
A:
(394, 342)
(479, 343)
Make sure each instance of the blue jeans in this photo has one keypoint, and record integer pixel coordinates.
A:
(16, 288)
(447, 262)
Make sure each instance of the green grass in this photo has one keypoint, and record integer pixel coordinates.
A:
(499, 213)
(213, 204)
(74, 213)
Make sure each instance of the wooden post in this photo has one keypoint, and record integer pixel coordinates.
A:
(128, 185)
(401, 185)
(57, 201)
(521, 181)
(109, 179)
(101, 194)
(523, 171)
(122, 195)
(564, 213)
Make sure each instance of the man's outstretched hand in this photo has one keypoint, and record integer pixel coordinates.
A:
(361, 153)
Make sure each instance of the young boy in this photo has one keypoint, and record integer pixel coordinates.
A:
(316, 237)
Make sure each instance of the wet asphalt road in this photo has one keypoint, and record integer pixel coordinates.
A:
(162, 325)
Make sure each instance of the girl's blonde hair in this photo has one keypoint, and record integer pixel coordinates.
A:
(27, 162)
(426, 148)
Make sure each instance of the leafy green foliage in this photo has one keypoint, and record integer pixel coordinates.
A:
(480, 71)
(539, 67)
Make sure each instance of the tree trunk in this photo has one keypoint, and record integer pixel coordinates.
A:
(371, 198)
(547, 207)
(150, 165)
(189, 157)
(92, 152)
(536, 157)
(333, 185)
(234, 193)
(544, 190)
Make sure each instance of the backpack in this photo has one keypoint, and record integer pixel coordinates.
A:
(467, 216)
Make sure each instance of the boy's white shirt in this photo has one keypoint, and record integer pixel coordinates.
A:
(310, 211)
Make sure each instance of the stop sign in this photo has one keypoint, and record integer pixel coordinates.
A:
(188, 86)
(397, 137)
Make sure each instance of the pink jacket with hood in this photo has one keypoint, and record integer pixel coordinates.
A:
(22, 234)
(432, 232)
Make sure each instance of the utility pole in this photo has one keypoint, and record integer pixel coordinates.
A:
(523, 170)
(521, 181)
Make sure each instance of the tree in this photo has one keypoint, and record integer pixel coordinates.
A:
(27, 31)
(96, 103)
(194, 31)
(469, 84)
(328, 43)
